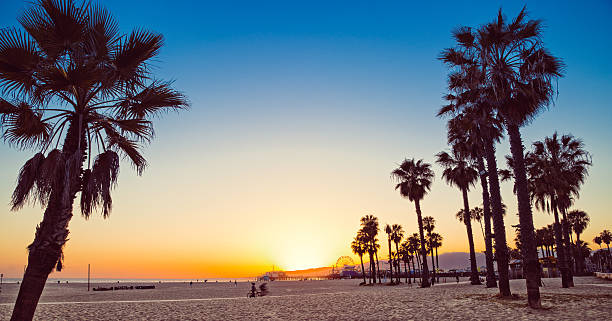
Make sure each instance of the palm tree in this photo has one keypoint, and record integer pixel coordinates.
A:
(406, 256)
(578, 221)
(459, 171)
(597, 240)
(72, 79)
(436, 242)
(359, 247)
(606, 237)
(477, 214)
(522, 74)
(557, 166)
(414, 243)
(397, 233)
(477, 128)
(414, 181)
(388, 230)
(369, 226)
(429, 224)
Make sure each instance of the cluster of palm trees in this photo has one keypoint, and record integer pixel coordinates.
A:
(501, 77)
(604, 259)
(406, 252)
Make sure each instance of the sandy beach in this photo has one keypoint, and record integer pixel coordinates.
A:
(591, 299)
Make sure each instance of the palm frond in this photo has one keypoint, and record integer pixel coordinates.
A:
(25, 182)
(155, 98)
(18, 59)
(104, 174)
(24, 126)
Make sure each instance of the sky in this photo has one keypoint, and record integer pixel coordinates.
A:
(299, 112)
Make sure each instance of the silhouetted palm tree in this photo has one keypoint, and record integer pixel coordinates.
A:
(78, 91)
(414, 243)
(388, 230)
(429, 224)
(406, 256)
(477, 128)
(436, 242)
(521, 73)
(360, 247)
(369, 226)
(578, 221)
(397, 233)
(606, 237)
(556, 168)
(414, 181)
(460, 172)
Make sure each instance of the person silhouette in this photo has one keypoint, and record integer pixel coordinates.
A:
(253, 290)
(263, 289)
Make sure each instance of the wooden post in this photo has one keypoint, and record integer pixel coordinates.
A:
(88, 273)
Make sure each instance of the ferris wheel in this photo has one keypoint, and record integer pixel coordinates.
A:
(344, 260)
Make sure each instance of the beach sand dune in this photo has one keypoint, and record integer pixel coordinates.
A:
(591, 299)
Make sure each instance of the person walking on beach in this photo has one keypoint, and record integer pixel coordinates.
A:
(253, 290)
(457, 276)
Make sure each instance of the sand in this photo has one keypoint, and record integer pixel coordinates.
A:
(590, 299)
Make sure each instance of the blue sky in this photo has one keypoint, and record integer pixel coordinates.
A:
(301, 109)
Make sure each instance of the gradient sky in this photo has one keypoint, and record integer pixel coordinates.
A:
(299, 113)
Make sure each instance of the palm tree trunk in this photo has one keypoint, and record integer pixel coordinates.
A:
(405, 273)
(530, 254)
(52, 233)
(433, 264)
(416, 255)
(568, 246)
(425, 270)
(579, 257)
(491, 282)
(372, 269)
(561, 259)
(362, 268)
(390, 259)
(398, 268)
(501, 247)
(475, 280)
(377, 266)
(437, 264)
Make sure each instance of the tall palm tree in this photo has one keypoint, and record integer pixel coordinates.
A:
(522, 73)
(80, 94)
(429, 224)
(557, 166)
(476, 126)
(369, 226)
(406, 256)
(359, 247)
(388, 230)
(460, 172)
(414, 181)
(578, 221)
(436, 242)
(477, 214)
(414, 243)
(397, 233)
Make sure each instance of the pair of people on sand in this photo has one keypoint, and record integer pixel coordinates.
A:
(263, 290)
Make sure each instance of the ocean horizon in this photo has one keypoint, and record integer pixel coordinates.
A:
(136, 280)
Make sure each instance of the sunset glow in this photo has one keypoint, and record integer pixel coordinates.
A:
(298, 115)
